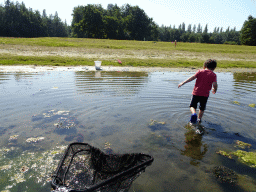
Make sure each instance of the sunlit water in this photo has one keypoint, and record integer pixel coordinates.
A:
(118, 108)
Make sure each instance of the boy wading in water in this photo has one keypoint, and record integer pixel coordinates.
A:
(205, 80)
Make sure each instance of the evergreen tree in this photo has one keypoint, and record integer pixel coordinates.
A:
(183, 28)
(194, 29)
(199, 28)
(206, 28)
(248, 32)
(18, 21)
(189, 30)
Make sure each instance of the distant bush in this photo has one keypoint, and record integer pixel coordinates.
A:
(231, 43)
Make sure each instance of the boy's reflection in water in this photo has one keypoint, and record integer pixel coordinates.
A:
(193, 146)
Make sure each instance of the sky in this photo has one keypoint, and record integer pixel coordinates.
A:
(215, 13)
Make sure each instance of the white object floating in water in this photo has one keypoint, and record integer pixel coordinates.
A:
(97, 65)
(34, 140)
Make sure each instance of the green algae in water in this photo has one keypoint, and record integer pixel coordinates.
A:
(248, 158)
(224, 153)
(236, 102)
(29, 168)
(242, 144)
(252, 105)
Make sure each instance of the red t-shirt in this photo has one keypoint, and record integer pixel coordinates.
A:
(204, 80)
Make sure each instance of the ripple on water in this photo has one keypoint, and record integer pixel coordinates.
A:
(118, 107)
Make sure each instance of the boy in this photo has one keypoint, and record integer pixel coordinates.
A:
(205, 79)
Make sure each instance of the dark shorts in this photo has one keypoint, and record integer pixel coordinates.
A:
(201, 99)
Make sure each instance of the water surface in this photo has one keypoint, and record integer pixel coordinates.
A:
(119, 108)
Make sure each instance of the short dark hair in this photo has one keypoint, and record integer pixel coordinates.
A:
(210, 64)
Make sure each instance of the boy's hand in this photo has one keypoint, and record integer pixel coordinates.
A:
(215, 86)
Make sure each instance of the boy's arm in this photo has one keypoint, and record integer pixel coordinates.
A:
(215, 86)
(188, 80)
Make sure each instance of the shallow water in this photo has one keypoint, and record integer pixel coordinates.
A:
(118, 108)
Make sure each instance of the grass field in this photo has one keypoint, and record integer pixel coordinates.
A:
(74, 51)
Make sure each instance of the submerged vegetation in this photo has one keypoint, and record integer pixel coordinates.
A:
(245, 157)
(19, 167)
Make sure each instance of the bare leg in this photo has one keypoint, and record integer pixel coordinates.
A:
(193, 110)
(193, 116)
(200, 115)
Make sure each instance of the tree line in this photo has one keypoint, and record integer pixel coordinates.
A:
(18, 21)
(125, 22)
(196, 34)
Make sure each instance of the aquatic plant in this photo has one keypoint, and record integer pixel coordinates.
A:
(154, 122)
(236, 102)
(242, 144)
(28, 166)
(155, 141)
(248, 158)
(225, 174)
(224, 153)
(157, 125)
(252, 105)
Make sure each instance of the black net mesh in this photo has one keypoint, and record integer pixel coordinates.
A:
(84, 168)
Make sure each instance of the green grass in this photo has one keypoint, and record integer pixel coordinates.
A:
(128, 44)
(230, 51)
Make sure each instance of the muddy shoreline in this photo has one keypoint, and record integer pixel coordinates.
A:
(34, 68)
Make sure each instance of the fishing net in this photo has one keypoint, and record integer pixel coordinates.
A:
(84, 168)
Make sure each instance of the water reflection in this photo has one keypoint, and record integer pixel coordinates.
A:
(110, 83)
(194, 147)
(19, 76)
(245, 84)
(245, 77)
(4, 78)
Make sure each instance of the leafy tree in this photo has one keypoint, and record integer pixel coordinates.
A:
(76, 25)
(175, 35)
(248, 32)
(88, 21)
(111, 27)
(154, 32)
(192, 37)
(184, 37)
(138, 24)
(205, 38)
(166, 34)
(2, 13)
(114, 23)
